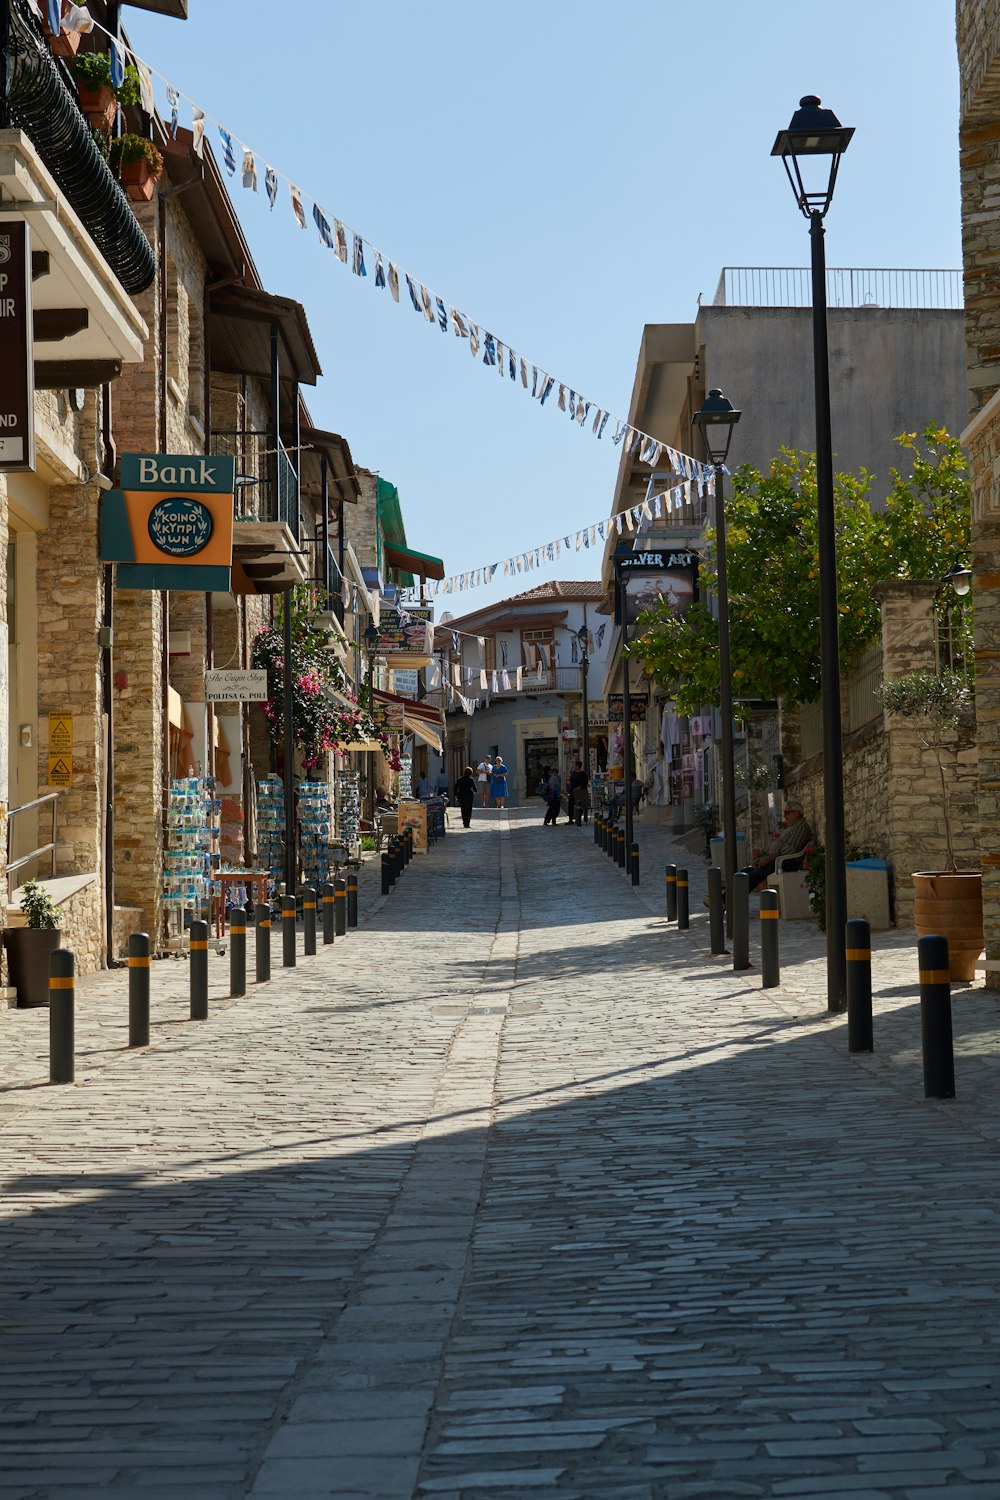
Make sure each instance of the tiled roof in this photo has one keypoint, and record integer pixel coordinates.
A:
(588, 588)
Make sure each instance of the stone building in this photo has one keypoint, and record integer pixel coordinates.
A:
(152, 334)
(978, 27)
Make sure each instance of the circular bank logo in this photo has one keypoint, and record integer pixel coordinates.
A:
(180, 526)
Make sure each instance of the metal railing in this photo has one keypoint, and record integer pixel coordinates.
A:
(846, 286)
(50, 847)
(256, 498)
(863, 682)
(549, 680)
(810, 729)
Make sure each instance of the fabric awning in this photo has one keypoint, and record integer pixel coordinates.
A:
(422, 731)
(420, 563)
(413, 706)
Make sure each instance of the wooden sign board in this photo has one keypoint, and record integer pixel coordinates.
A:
(414, 815)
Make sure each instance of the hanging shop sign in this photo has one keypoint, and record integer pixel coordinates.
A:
(638, 704)
(660, 575)
(229, 686)
(17, 375)
(170, 525)
(402, 633)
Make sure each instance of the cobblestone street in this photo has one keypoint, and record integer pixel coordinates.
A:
(513, 1190)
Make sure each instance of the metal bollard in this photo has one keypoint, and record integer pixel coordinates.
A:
(741, 921)
(138, 989)
(683, 911)
(262, 953)
(597, 828)
(340, 905)
(860, 1031)
(352, 898)
(237, 951)
(386, 887)
(935, 1018)
(326, 899)
(770, 960)
(622, 852)
(716, 910)
(308, 921)
(62, 1015)
(198, 965)
(288, 932)
(634, 864)
(579, 814)
(670, 875)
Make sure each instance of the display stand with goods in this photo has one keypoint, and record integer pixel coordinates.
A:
(348, 816)
(405, 778)
(271, 827)
(314, 831)
(192, 857)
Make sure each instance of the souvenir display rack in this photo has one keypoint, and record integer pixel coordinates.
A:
(191, 859)
(405, 778)
(348, 810)
(314, 831)
(271, 827)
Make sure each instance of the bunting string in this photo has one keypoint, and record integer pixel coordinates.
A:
(354, 250)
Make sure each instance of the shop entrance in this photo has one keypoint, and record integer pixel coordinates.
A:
(537, 754)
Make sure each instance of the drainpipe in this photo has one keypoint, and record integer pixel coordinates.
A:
(108, 697)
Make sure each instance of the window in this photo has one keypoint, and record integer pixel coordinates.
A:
(536, 649)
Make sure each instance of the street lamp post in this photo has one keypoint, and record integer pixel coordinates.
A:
(583, 637)
(716, 419)
(814, 141)
(372, 638)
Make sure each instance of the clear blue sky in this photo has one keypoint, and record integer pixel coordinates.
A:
(564, 174)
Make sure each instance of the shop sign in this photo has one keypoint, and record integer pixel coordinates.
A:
(405, 681)
(403, 633)
(17, 374)
(390, 715)
(638, 704)
(170, 525)
(657, 560)
(229, 686)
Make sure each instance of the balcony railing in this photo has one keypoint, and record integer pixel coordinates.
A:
(256, 495)
(863, 682)
(846, 286)
(553, 680)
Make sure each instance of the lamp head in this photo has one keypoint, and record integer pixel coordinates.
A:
(372, 636)
(960, 578)
(583, 636)
(715, 420)
(811, 148)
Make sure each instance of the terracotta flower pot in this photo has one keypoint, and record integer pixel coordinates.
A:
(951, 905)
(137, 180)
(99, 105)
(28, 953)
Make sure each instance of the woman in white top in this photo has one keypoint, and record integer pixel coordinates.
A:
(483, 773)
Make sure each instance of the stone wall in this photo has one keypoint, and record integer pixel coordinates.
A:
(978, 29)
(892, 784)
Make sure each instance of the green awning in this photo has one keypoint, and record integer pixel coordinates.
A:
(420, 563)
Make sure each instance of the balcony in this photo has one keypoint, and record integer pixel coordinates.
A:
(266, 553)
(553, 680)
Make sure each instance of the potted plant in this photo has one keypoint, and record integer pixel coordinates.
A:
(30, 947)
(92, 71)
(941, 708)
(138, 164)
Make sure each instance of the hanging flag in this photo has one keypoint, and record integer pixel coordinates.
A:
(116, 60)
(146, 97)
(494, 684)
(173, 99)
(53, 15)
(524, 373)
(505, 681)
(271, 185)
(581, 411)
(413, 294)
(562, 398)
(461, 331)
(620, 431)
(604, 423)
(600, 635)
(473, 340)
(198, 132)
(228, 154)
(340, 236)
(394, 281)
(249, 170)
(427, 304)
(534, 380)
(490, 350)
(482, 679)
(323, 225)
(546, 390)
(442, 314)
(379, 269)
(571, 406)
(358, 263)
(297, 209)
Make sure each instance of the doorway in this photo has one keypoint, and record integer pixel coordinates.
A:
(537, 754)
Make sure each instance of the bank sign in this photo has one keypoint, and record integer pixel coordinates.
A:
(170, 525)
(17, 384)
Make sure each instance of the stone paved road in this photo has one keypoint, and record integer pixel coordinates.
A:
(515, 1191)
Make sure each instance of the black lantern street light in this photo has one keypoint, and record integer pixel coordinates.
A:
(372, 638)
(716, 419)
(583, 636)
(811, 148)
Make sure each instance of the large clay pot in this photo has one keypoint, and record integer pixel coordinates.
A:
(99, 105)
(28, 953)
(951, 906)
(137, 180)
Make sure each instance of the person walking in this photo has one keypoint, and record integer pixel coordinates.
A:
(465, 793)
(483, 771)
(498, 782)
(554, 797)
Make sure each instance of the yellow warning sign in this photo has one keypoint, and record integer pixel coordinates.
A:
(60, 731)
(60, 768)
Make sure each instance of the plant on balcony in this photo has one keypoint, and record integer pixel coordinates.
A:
(99, 98)
(138, 165)
(322, 722)
(773, 572)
